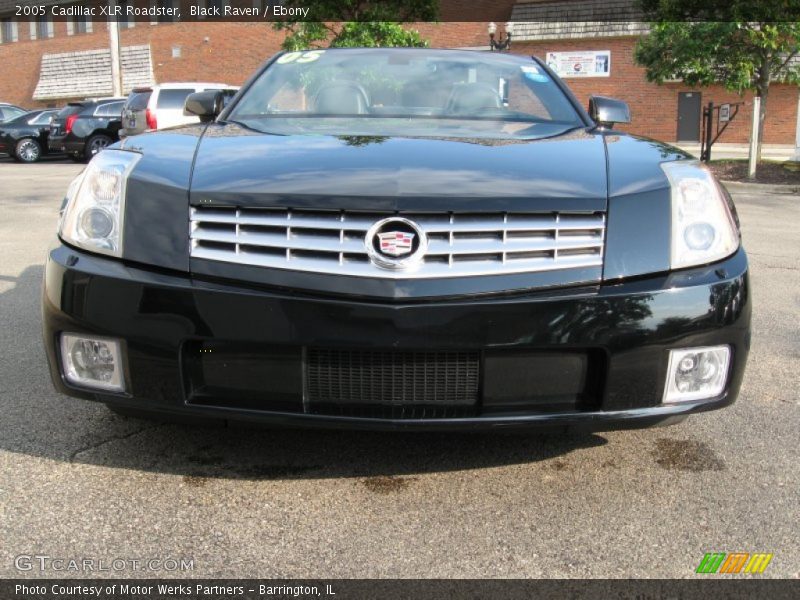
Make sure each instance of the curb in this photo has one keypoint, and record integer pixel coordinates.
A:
(769, 188)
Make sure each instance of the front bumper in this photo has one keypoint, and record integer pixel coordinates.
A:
(623, 331)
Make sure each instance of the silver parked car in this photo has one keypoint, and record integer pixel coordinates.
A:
(161, 106)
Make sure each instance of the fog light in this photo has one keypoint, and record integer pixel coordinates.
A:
(92, 362)
(696, 373)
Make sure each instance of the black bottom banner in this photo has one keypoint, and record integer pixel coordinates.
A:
(347, 589)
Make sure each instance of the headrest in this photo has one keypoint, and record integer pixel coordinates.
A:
(342, 98)
(471, 98)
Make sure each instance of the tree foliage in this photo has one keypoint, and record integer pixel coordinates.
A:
(740, 44)
(722, 10)
(739, 55)
(357, 23)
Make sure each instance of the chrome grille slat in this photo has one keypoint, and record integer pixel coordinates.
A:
(297, 221)
(481, 246)
(459, 244)
(295, 240)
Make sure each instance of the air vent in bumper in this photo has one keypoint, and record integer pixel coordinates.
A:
(391, 378)
(390, 383)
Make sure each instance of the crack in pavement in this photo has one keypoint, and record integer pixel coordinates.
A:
(115, 438)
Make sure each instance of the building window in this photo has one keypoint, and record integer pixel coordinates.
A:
(44, 28)
(79, 24)
(41, 28)
(82, 25)
(8, 31)
(125, 21)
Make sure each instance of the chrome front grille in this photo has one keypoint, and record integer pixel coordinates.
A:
(459, 244)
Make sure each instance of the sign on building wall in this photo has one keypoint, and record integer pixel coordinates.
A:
(588, 63)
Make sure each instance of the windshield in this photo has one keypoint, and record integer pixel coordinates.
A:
(11, 112)
(69, 109)
(42, 118)
(407, 92)
(138, 100)
(23, 118)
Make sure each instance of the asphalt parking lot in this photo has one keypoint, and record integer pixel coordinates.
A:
(77, 481)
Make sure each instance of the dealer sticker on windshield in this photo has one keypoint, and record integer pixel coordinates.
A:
(300, 57)
(532, 73)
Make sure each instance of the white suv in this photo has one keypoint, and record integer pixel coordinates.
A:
(161, 106)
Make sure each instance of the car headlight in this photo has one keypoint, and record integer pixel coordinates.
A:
(703, 228)
(95, 203)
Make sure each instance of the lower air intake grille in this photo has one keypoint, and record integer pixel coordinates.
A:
(378, 411)
(388, 378)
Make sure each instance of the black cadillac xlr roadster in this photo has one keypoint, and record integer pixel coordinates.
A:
(400, 239)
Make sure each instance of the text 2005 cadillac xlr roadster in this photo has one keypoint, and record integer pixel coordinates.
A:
(400, 238)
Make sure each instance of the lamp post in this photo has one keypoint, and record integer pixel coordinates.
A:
(500, 44)
(797, 135)
(116, 63)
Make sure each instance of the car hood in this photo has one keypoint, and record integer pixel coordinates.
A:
(235, 166)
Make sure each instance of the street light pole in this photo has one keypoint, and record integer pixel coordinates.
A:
(797, 134)
(751, 165)
(113, 39)
(500, 44)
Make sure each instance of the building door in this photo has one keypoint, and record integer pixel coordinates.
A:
(689, 117)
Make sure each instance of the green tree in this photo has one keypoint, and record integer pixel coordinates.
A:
(362, 23)
(740, 44)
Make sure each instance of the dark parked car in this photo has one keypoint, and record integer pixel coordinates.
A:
(25, 137)
(400, 238)
(10, 111)
(82, 129)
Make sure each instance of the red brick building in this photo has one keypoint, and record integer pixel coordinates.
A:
(40, 69)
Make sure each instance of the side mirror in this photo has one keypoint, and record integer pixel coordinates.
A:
(607, 111)
(206, 105)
